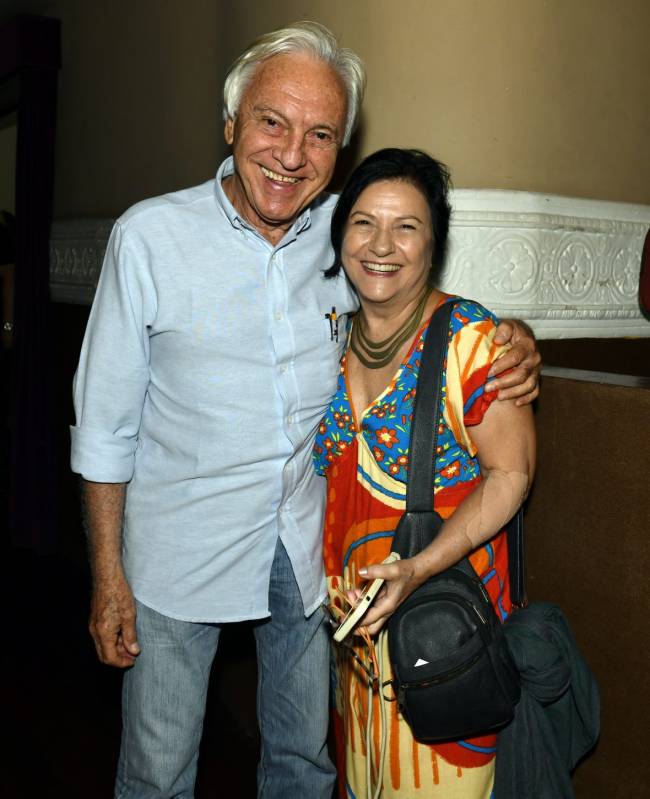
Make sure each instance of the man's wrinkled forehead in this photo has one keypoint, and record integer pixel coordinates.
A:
(300, 81)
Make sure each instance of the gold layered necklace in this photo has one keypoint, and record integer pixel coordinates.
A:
(376, 354)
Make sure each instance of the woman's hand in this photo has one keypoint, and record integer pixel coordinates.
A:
(523, 360)
(402, 578)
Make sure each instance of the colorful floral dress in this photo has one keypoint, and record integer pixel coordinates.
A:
(366, 461)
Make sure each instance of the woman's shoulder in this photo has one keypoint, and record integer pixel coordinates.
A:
(469, 313)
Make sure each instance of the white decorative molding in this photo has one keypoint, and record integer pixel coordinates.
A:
(77, 248)
(569, 267)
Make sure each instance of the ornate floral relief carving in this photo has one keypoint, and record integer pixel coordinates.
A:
(570, 272)
(513, 265)
(77, 250)
(625, 272)
(575, 268)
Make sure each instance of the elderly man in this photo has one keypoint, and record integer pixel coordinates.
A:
(206, 366)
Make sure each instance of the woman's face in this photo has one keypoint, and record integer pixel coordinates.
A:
(388, 244)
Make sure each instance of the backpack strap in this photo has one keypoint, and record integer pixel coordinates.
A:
(422, 450)
(424, 427)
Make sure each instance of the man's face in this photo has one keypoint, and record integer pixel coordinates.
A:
(285, 139)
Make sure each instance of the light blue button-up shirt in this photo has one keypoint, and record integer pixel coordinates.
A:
(206, 366)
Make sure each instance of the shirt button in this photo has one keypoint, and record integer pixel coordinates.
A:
(278, 316)
(290, 419)
(284, 369)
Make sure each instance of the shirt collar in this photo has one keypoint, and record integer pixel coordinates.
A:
(226, 169)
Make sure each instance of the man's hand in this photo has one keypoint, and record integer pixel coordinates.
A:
(112, 622)
(112, 607)
(523, 360)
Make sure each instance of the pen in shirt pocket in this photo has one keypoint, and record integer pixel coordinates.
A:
(334, 324)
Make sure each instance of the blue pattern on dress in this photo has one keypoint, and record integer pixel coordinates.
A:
(386, 421)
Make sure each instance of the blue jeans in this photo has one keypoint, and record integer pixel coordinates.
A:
(164, 695)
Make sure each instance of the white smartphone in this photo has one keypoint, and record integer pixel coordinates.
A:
(355, 614)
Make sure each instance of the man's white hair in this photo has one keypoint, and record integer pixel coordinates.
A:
(301, 37)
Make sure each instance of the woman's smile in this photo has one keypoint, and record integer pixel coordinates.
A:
(380, 268)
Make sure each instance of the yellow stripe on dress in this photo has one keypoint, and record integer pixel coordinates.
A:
(373, 478)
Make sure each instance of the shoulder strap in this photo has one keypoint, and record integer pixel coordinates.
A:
(424, 427)
(423, 439)
(517, 560)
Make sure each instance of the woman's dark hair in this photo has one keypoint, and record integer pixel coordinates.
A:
(431, 177)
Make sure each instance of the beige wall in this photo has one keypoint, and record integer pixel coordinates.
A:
(138, 113)
(137, 100)
(540, 95)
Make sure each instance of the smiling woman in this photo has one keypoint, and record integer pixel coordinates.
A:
(389, 231)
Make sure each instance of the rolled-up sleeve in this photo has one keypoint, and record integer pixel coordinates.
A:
(111, 381)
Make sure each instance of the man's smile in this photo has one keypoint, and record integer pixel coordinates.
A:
(276, 176)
